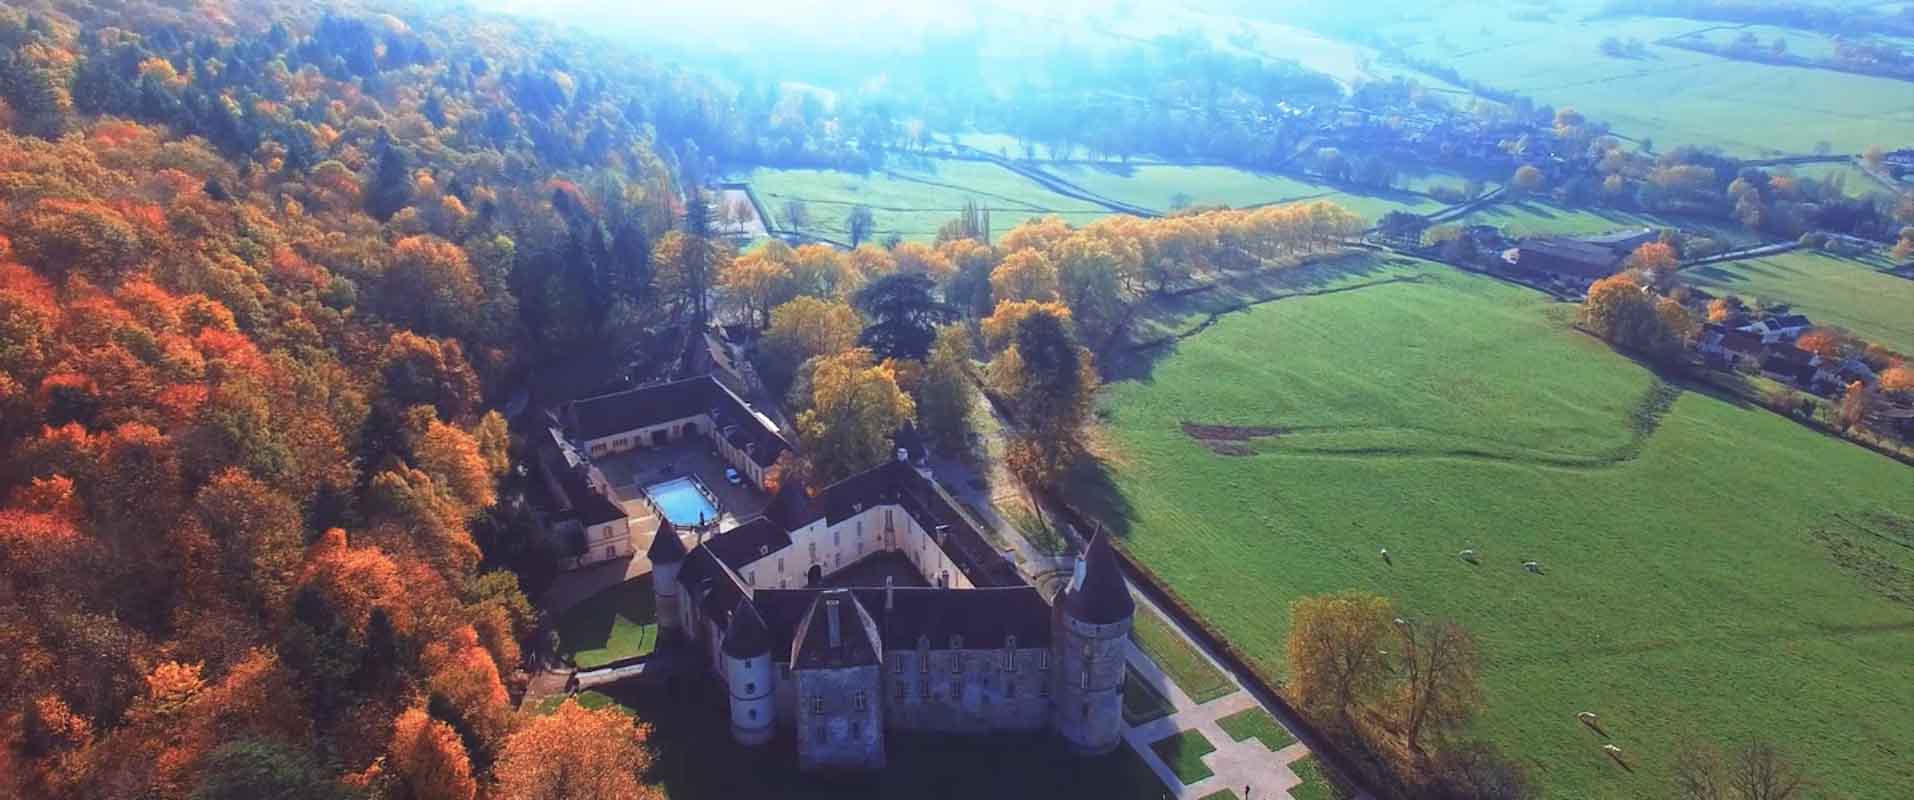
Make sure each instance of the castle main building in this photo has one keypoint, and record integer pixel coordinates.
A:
(788, 612)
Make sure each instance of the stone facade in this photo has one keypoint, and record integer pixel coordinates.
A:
(971, 652)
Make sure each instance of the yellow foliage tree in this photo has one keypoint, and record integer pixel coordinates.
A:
(575, 753)
(1024, 275)
(856, 409)
(1334, 653)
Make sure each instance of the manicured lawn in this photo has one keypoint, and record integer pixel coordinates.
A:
(619, 622)
(1220, 794)
(1859, 295)
(1698, 552)
(1173, 654)
(1314, 785)
(1258, 723)
(696, 759)
(1141, 702)
(1183, 754)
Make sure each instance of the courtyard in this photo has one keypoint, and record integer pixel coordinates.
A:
(660, 471)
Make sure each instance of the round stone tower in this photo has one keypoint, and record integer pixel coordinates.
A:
(1092, 618)
(747, 671)
(667, 554)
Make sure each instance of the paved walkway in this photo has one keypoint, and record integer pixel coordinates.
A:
(1236, 764)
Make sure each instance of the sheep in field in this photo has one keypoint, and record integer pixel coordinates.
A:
(1534, 567)
(1385, 556)
(1467, 555)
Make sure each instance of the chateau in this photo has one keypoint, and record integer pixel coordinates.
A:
(840, 613)
(971, 649)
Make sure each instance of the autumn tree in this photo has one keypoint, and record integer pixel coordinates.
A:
(1024, 275)
(948, 395)
(1724, 308)
(575, 753)
(1827, 343)
(1048, 381)
(919, 259)
(804, 329)
(1335, 653)
(1622, 312)
(759, 280)
(1654, 257)
(431, 286)
(1527, 179)
(427, 756)
(1898, 378)
(1091, 270)
(1857, 402)
(855, 411)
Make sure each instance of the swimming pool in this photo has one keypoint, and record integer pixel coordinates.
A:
(684, 501)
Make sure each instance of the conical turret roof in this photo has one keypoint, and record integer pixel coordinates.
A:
(665, 547)
(746, 636)
(1101, 597)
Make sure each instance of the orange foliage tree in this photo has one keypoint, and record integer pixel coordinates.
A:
(575, 752)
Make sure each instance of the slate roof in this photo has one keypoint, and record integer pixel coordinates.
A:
(586, 504)
(856, 643)
(1567, 255)
(748, 542)
(666, 548)
(983, 619)
(1741, 342)
(1102, 597)
(715, 588)
(895, 483)
(1789, 321)
(746, 636)
(618, 412)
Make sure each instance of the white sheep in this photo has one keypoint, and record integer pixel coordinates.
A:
(1612, 750)
(1586, 716)
(1467, 555)
(1533, 566)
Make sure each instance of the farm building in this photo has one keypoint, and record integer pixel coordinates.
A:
(1585, 257)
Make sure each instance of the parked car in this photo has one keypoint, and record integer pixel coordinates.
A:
(732, 477)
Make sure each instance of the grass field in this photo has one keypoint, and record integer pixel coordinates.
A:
(1193, 673)
(1860, 295)
(1536, 218)
(1257, 723)
(1711, 569)
(696, 759)
(619, 622)
(1157, 186)
(913, 198)
(1673, 96)
(1183, 753)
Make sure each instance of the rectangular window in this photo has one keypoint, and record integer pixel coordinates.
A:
(1010, 690)
(860, 702)
(900, 690)
(957, 663)
(1010, 660)
(817, 703)
(1043, 688)
(1086, 677)
(897, 664)
(1043, 659)
(837, 538)
(923, 689)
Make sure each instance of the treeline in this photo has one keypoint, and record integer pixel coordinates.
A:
(259, 283)
(881, 324)
(1859, 19)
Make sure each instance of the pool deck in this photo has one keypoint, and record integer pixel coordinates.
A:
(700, 498)
(630, 472)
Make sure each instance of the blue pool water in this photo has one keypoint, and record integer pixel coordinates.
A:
(682, 501)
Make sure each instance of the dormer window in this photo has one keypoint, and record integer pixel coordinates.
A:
(956, 642)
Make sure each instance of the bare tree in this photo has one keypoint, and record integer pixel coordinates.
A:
(1757, 772)
(1440, 684)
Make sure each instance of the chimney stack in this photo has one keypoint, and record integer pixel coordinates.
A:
(830, 608)
(890, 593)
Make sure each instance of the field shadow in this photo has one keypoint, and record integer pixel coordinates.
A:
(1163, 320)
(1096, 497)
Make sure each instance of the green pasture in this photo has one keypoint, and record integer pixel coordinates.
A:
(1856, 294)
(1709, 569)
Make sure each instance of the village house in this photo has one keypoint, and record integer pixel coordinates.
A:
(1779, 328)
(1586, 258)
(1734, 349)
